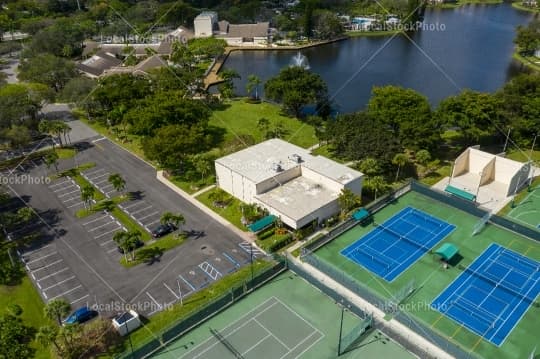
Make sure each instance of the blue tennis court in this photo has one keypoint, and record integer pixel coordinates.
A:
(393, 246)
(492, 294)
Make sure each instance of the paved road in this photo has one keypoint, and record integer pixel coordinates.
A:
(85, 251)
(11, 68)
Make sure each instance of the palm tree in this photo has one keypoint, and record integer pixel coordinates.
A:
(423, 157)
(348, 200)
(57, 309)
(253, 83)
(47, 336)
(25, 214)
(369, 166)
(87, 194)
(51, 159)
(121, 238)
(117, 182)
(400, 160)
(202, 164)
(377, 184)
(173, 219)
(45, 127)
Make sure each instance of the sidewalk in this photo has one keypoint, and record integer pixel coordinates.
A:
(378, 314)
(203, 208)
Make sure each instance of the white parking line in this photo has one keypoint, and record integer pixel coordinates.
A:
(132, 205)
(65, 194)
(76, 204)
(54, 285)
(101, 181)
(71, 199)
(66, 292)
(91, 173)
(58, 184)
(78, 300)
(153, 222)
(98, 227)
(112, 250)
(140, 210)
(40, 258)
(55, 273)
(155, 301)
(96, 177)
(172, 291)
(97, 219)
(105, 243)
(63, 189)
(38, 249)
(47, 266)
(151, 214)
(101, 235)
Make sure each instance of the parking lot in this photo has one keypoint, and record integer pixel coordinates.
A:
(68, 192)
(144, 213)
(188, 281)
(102, 227)
(99, 178)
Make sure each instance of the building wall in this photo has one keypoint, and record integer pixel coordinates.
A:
(323, 180)
(203, 26)
(235, 184)
(488, 175)
(461, 164)
(356, 186)
(278, 179)
(519, 179)
(321, 214)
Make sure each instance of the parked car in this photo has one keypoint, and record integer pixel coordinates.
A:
(162, 230)
(81, 315)
(138, 244)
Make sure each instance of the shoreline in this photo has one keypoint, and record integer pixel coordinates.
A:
(526, 62)
(518, 6)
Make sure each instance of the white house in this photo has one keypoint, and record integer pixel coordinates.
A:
(287, 180)
(205, 23)
(245, 34)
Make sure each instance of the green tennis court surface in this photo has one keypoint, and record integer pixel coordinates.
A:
(433, 278)
(527, 211)
(287, 318)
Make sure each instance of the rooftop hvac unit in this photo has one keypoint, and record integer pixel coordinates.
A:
(295, 158)
(277, 167)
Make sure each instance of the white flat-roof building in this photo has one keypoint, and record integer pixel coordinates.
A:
(205, 23)
(287, 180)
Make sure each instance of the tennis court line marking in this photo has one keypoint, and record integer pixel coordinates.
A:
(456, 331)
(307, 348)
(270, 333)
(256, 344)
(299, 316)
(436, 320)
(230, 325)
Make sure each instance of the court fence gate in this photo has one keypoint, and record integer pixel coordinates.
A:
(200, 315)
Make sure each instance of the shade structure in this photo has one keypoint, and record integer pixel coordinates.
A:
(262, 223)
(447, 251)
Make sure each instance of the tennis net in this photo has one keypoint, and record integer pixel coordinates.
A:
(226, 343)
(401, 236)
(499, 284)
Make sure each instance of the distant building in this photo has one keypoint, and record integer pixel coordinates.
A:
(530, 3)
(247, 34)
(97, 64)
(287, 180)
(205, 24)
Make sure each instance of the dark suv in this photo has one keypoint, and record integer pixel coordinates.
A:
(162, 230)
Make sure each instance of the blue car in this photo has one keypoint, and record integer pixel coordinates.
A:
(81, 315)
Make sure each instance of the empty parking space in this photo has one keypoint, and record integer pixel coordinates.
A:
(68, 192)
(101, 227)
(143, 212)
(52, 276)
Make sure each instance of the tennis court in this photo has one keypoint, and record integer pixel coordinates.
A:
(272, 327)
(528, 210)
(492, 294)
(393, 246)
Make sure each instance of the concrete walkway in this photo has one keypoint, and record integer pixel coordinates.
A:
(205, 189)
(244, 235)
(412, 337)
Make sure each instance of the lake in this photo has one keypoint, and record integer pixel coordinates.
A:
(468, 47)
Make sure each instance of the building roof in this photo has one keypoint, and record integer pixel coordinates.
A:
(257, 162)
(223, 26)
(259, 29)
(99, 63)
(298, 198)
(206, 14)
(150, 63)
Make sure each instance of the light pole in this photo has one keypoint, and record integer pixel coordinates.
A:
(340, 328)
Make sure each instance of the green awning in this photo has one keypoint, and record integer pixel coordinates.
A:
(460, 193)
(447, 251)
(360, 214)
(262, 223)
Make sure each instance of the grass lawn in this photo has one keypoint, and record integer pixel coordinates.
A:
(26, 296)
(519, 197)
(106, 204)
(437, 175)
(524, 156)
(129, 223)
(65, 152)
(192, 187)
(168, 242)
(372, 33)
(519, 6)
(240, 118)
(231, 213)
(193, 303)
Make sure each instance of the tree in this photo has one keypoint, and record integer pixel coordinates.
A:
(226, 88)
(87, 195)
(253, 83)
(377, 184)
(15, 338)
(77, 89)
(296, 87)
(264, 126)
(56, 309)
(175, 220)
(208, 47)
(124, 241)
(47, 336)
(202, 163)
(118, 183)
(369, 166)
(18, 136)
(47, 69)
(400, 160)
(327, 25)
(51, 159)
(19, 102)
(528, 37)
(348, 200)
(423, 157)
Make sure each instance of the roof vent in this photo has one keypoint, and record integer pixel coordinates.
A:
(277, 167)
(295, 158)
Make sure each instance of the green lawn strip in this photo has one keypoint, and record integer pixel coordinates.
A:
(129, 223)
(165, 319)
(528, 61)
(165, 243)
(26, 296)
(105, 204)
(240, 118)
(435, 176)
(190, 186)
(275, 242)
(325, 151)
(523, 156)
(519, 197)
(372, 33)
(82, 182)
(231, 213)
(65, 152)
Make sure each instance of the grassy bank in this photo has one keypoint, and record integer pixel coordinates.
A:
(373, 33)
(26, 296)
(160, 245)
(231, 212)
(518, 5)
(529, 61)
